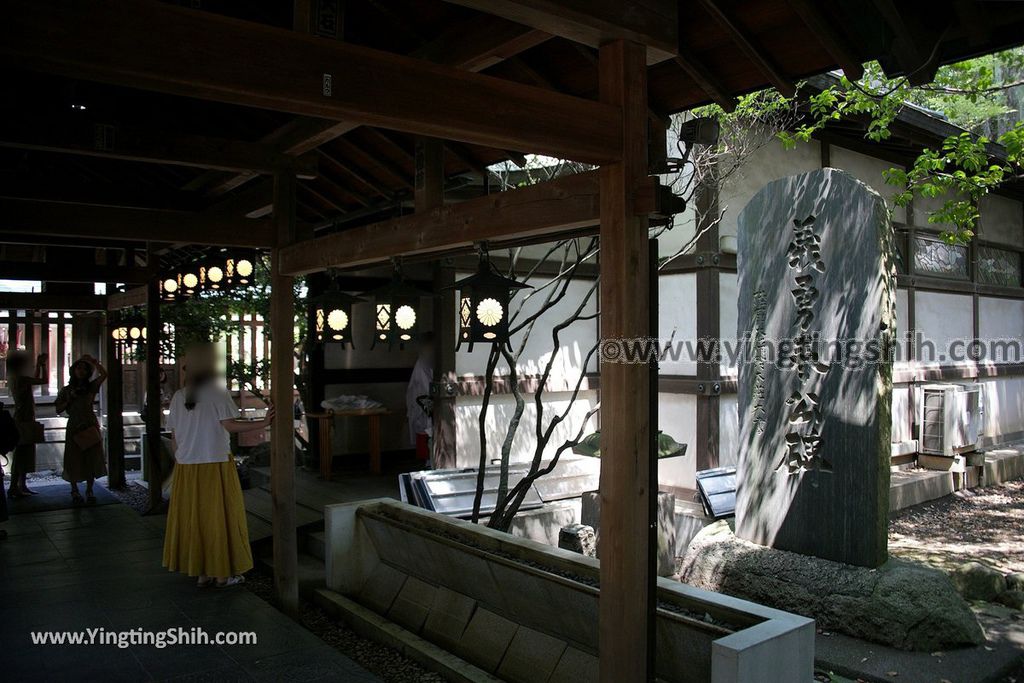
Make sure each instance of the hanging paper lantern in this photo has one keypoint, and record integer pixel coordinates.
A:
(239, 267)
(129, 334)
(170, 287)
(331, 316)
(397, 311)
(484, 299)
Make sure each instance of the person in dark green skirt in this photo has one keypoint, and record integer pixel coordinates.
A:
(83, 443)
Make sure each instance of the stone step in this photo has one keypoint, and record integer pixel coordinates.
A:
(259, 504)
(311, 573)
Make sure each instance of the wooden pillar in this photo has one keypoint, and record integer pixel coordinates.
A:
(152, 404)
(44, 347)
(625, 400)
(709, 375)
(61, 352)
(282, 379)
(114, 387)
(429, 194)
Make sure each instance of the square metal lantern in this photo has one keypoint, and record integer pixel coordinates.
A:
(193, 279)
(331, 316)
(484, 299)
(170, 287)
(216, 265)
(397, 309)
(239, 267)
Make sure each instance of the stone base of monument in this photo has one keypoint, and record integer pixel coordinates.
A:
(900, 604)
(476, 604)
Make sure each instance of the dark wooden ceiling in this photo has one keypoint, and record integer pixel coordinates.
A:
(728, 47)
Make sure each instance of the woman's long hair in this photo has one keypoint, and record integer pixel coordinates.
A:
(79, 386)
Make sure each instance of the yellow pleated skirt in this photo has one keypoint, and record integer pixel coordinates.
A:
(206, 530)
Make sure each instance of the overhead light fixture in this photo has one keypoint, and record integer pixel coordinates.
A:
(484, 299)
(240, 267)
(129, 334)
(331, 314)
(397, 308)
(170, 287)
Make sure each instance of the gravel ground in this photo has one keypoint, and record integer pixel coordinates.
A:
(380, 660)
(985, 524)
(135, 496)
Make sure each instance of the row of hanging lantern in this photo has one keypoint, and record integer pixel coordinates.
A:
(129, 334)
(219, 271)
(483, 311)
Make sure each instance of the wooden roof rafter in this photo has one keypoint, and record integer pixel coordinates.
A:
(743, 40)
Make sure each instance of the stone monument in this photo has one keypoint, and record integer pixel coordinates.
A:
(816, 318)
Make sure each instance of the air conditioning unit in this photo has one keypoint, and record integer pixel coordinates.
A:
(949, 419)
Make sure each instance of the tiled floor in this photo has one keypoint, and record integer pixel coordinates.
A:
(100, 568)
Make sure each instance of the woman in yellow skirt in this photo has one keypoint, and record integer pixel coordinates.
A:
(207, 536)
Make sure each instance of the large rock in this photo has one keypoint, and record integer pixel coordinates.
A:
(1015, 581)
(977, 581)
(1014, 599)
(904, 605)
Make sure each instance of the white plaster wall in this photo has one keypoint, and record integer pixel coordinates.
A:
(677, 319)
(869, 170)
(1002, 220)
(902, 311)
(1003, 405)
(768, 163)
(574, 342)
(1001, 319)
(499, 412)
(728, 430)
(924, 206)
(902, 418)
(942, 318)
(728, 311)
(677, 417)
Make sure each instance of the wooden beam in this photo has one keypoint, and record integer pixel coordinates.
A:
(113, 142)
(830, 37)
(74, 220)
(483, 42)
(653, 23)
(207, 56)
(546, 209)
(745, 42)
(705, 80)
(130, 298)
(624, 627)
(73, 272)
(282, 382)
(33, 301)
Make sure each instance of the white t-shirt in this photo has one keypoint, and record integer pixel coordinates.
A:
(199, 435)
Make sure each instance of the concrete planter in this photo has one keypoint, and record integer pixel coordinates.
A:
(522, 610)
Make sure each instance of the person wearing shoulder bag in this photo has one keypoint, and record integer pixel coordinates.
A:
(83, 442)
(20, 384)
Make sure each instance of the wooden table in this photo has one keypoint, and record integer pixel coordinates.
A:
(325, 422)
